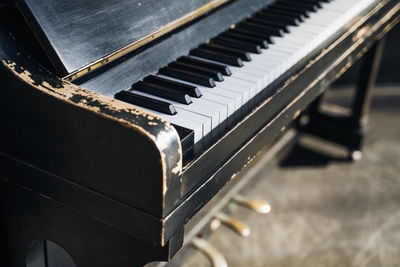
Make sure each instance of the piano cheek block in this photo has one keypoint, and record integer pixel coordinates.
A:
(106, 145)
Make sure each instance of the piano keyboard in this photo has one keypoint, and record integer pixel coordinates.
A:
(201, 90)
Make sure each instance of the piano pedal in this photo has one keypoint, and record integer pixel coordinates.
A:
(259, 206)
(215, 256)
(236, 225)
(215, 224)
(356, 155)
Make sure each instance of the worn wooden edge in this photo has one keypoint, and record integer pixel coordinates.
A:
(360, 31)
(39, 33)
(160, 132)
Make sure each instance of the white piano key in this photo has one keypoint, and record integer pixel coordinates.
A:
(221, 96)
(203, 120)
(184, 122)
(244, 74)
(227, 102)
(251, 86)
(201, 125)
(242, 90)
(235, 99)
(195, 107)
(270, 70)
(256, 73)
(211, 102)
(211, 95)
(263, 72)
(245, 82)
(269, 64)
(207, 104)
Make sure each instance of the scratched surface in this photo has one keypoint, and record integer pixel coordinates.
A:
(81, 31)
(334, 214)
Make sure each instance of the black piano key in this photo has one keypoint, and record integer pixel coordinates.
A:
(249, 47)
(313, 1)
(219, 57)
(253, 34)
(282, 26)
(296, 8)
(272, 17)
(188, 76)
(307, 6)
(281, 11)
(185, 88)
(146, 102)
(245, 56)
(266, 30)
(246, 38)
(320, 1)
(205, 64)
(162, 91)
(293, 9)
(216, 75)
(309, 2)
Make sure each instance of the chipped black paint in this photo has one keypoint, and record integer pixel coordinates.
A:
(91, 140)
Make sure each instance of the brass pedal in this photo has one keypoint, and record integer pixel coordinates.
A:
(235, 224)
(259, 206)
(216, 257)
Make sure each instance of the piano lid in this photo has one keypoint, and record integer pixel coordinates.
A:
(81, 35)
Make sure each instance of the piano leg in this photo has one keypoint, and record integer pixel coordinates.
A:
(63, 237)
(348, 130)
(365, 84)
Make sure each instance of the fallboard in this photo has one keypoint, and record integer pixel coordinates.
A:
(84, 34)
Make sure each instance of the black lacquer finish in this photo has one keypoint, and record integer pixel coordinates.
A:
(217, 76)
(187, 89)
(139, 100)
(188, 75)
(237, 35)
(99, 244)
(55, 121)
(77, 33)
(134, 69)
(162, 91)
(218, 56)
(232, 52)
(204, 64)
(248, 47)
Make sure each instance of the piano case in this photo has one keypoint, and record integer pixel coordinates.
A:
(108, 181)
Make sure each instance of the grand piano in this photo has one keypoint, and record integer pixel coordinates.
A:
(125, 124)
